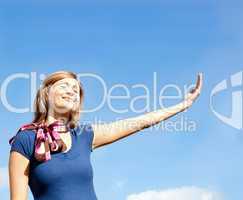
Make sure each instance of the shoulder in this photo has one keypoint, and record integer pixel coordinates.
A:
(85, 131)
(83, 128)
(25, 136)
(23, 142)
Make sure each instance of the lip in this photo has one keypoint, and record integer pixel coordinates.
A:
(67, 98)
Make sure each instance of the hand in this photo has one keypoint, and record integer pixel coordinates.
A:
(194, 93)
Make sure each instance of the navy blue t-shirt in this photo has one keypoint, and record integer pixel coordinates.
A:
(67, 176)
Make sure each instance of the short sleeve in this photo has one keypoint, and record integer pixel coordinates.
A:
(90, 135)
(22, 143)
(91, 138)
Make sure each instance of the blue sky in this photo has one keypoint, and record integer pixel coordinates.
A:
(125, 42)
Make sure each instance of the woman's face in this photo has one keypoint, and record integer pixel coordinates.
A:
(64, 95)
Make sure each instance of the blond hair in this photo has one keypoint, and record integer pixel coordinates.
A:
(41, 104)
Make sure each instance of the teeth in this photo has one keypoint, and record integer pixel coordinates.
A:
(66, 98)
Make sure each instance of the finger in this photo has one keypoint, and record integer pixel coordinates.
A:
(199, 81)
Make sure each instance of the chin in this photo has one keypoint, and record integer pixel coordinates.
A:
(63, 108)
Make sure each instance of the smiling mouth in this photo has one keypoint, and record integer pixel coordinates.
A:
(67, 99)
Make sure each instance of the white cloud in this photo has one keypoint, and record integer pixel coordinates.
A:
(183, 193)
(3, 177)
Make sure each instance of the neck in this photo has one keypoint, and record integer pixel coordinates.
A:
(52, 116)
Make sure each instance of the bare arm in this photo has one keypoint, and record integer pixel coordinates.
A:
(109, 133)
(18, 176)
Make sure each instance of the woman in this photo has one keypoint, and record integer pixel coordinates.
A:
(52, 154)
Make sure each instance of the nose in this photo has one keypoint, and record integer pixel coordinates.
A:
(69, 92)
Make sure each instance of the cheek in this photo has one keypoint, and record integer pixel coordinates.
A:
(76, 104)
(55, 97)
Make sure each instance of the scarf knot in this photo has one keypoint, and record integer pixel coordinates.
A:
(47, 139)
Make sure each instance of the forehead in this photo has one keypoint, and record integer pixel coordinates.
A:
(70, 81)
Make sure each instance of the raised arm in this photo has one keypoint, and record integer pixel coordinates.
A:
(108, 133)
(18, 176)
